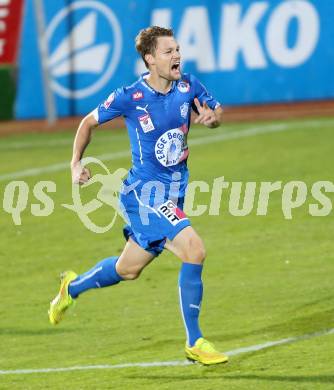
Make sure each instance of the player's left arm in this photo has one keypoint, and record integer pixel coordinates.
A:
(207, 116)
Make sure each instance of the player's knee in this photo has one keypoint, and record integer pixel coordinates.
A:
(196, 253)
(129, 274)
(200, 255)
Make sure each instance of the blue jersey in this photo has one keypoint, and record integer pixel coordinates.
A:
(158, 126)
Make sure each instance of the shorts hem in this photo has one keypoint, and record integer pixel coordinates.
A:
(182, 226)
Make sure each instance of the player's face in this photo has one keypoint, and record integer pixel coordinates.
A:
(167, 58)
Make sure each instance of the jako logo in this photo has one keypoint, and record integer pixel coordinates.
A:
(78, 52)
(252, 34)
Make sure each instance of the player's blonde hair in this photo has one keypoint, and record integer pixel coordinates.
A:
(146, 40)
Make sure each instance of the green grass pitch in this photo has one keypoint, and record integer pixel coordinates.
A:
(265, 279)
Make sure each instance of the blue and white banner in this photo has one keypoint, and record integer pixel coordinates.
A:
(244, 51)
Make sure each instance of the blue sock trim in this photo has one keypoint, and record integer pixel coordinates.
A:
(103, 274)
(190, 294)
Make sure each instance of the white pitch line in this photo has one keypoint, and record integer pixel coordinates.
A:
(20, 145)
(288, 340)
(173, 363)
(252, 131)
(58, 167)
(125, 153)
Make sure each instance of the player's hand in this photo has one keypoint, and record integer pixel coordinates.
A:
(206, 116)
(80, 174)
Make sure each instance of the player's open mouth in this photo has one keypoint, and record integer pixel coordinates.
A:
(176, 66)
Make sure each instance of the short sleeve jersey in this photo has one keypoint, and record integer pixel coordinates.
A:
(158, 126)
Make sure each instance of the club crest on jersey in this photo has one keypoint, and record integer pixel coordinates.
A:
(171, 212)
(183, 86)
(137, 95)
(110, 99)
(184, 110)
(146, 123)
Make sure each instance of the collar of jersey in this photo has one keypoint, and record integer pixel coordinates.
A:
(152, 90)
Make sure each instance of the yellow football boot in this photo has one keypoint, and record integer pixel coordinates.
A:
(204, 352)
(63, 300)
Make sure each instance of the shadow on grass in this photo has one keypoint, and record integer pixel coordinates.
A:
(34, 332)
(287, 378)
(328, 298)
(311, 323)
(269, 378)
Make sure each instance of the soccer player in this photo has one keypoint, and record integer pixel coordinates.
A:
(157, 110)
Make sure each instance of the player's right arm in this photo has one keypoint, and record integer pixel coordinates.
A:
(81, 174)
(114, 106)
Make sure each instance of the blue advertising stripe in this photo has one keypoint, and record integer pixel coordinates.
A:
(243, 52)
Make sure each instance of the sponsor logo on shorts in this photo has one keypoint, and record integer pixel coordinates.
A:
(146, 123)
(137, 95)
(110, 99)
(171, 212)
(183, 86)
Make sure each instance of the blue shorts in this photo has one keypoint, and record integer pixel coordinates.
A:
(150, 226)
